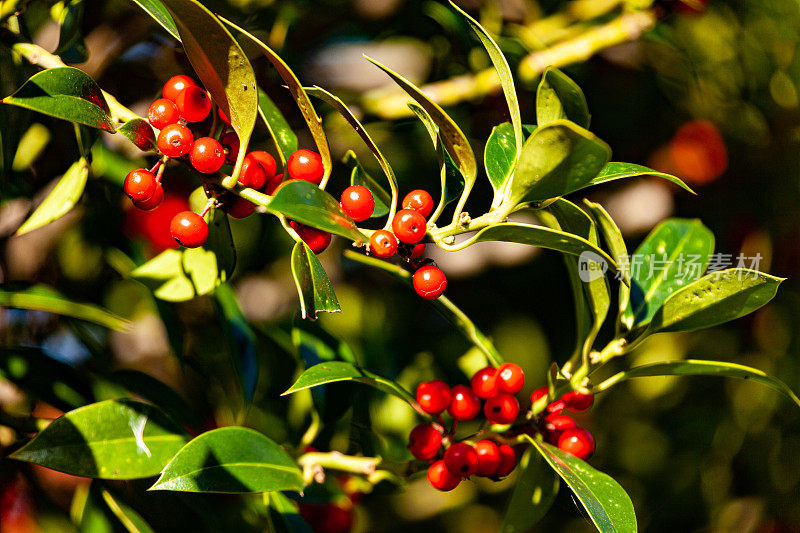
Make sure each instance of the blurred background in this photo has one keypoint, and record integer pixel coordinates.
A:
(709, 92)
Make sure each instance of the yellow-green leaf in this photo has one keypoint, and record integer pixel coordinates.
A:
(61, 199)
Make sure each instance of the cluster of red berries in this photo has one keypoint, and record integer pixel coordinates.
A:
(489, 457)
(181, 118)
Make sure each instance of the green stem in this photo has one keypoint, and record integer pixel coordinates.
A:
(339, 461)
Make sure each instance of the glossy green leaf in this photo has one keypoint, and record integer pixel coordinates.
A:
(280, 131)
(61, 199)
(66, 93)
(606, 502)
(557, 159)
(114, 439)
(230, 460)
(44, 298)
(535, 490)
(617, 171)
(359, 176)
(70, 46)
(130, 519)
(694, 367)
(503, 72)
(156, 392)
(558, 97)
(673, 255)
(240, 338)
(221, 65)
(90, 512)
(159, 13)
(499, 157)
(140, 133)
(308, 204)
(715, 298)
(284, 514)
(313, 286)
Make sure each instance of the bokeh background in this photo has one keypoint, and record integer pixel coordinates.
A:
(711, 94)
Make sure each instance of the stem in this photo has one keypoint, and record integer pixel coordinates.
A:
(339, 461)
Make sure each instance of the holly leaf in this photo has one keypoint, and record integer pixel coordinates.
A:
(313, 286)
(359, 176)
(280, 131)
(617, 171)
(535, 490)
(499, 157)
(61, 199)
(160, 14)
(558, 97)
(140, 133)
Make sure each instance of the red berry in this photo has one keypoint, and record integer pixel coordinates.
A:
(357, 202)
(417, 251)
(488, 458)
(382, 243)
(327, 518)
(420, 201)
(230, 143)
(266, 161)
(577, 401)
(510, 378)
(425, 441)
(193, 104)
(240, 208)
(175, 85)
(273, 184)
(162, 113)
(464, 405)
(429, 282)
(508, 460)
(207, 155)
(305, 165)
(252, 174)
(461, 459)
(151, 203)
(556, 407)
(189, 229)
(577, 441)
(140, 184)
(316, 239)
(539, 393)
(441, 478)
(484, 382)
(433, 396)
(501, 409)
(175, 140)
(223, 117)
(555, 425)
(409, 226)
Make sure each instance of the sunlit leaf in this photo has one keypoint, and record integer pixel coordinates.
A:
(535, 490)
(70, 46)
(359, 176)
(313, 286)
(499, 156)
(140, 133)
(280, 131)
(61, 199)
(156, 9)
(617, 171)
(558, 97)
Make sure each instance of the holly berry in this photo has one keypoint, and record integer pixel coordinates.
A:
(140, 184)
(461, 459)
(484, 382)
(419, 201)
(441, 478)
(273, 184)
(429, 282)
(417, 251)
(175, 140)
(305, 165)
(189, 229)
(488, 458)
(556, 407)
(510, 378)
(357, 202)
(425, 441)
(557, 424)
(316, 239)
(577, 401)
(501, 409)
(230, 143)
(252, 174)
(409, 226)
(193, 104)
(539, 393)
(207, 155)
(162, 113)
(508, 460)
(326, 517)
(577, 441)
(175, 85)
(433, 396)
(151, 203)
(464, 405)
(382, 243)
(239, 207)
(266, 161)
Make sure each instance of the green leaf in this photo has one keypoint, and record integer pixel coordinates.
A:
(715, 298)
(140, 133)
(221, 65)
(617, 171)
(66, 93)
(280, 131)
(606, 502)
(306, 203)
(557, 159)
(313, 286)
(535, 490)
(61, 199)
(499, 157)
(44, 298)
(240, 337)
(115, 439)
(230, 460)
(159, 13)
(130, 519)
(503, 72)
(70, 41)
(673, 255)
(359, 176)
(284, 515)
(157, 393)
(694, 367)
(558, 97)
